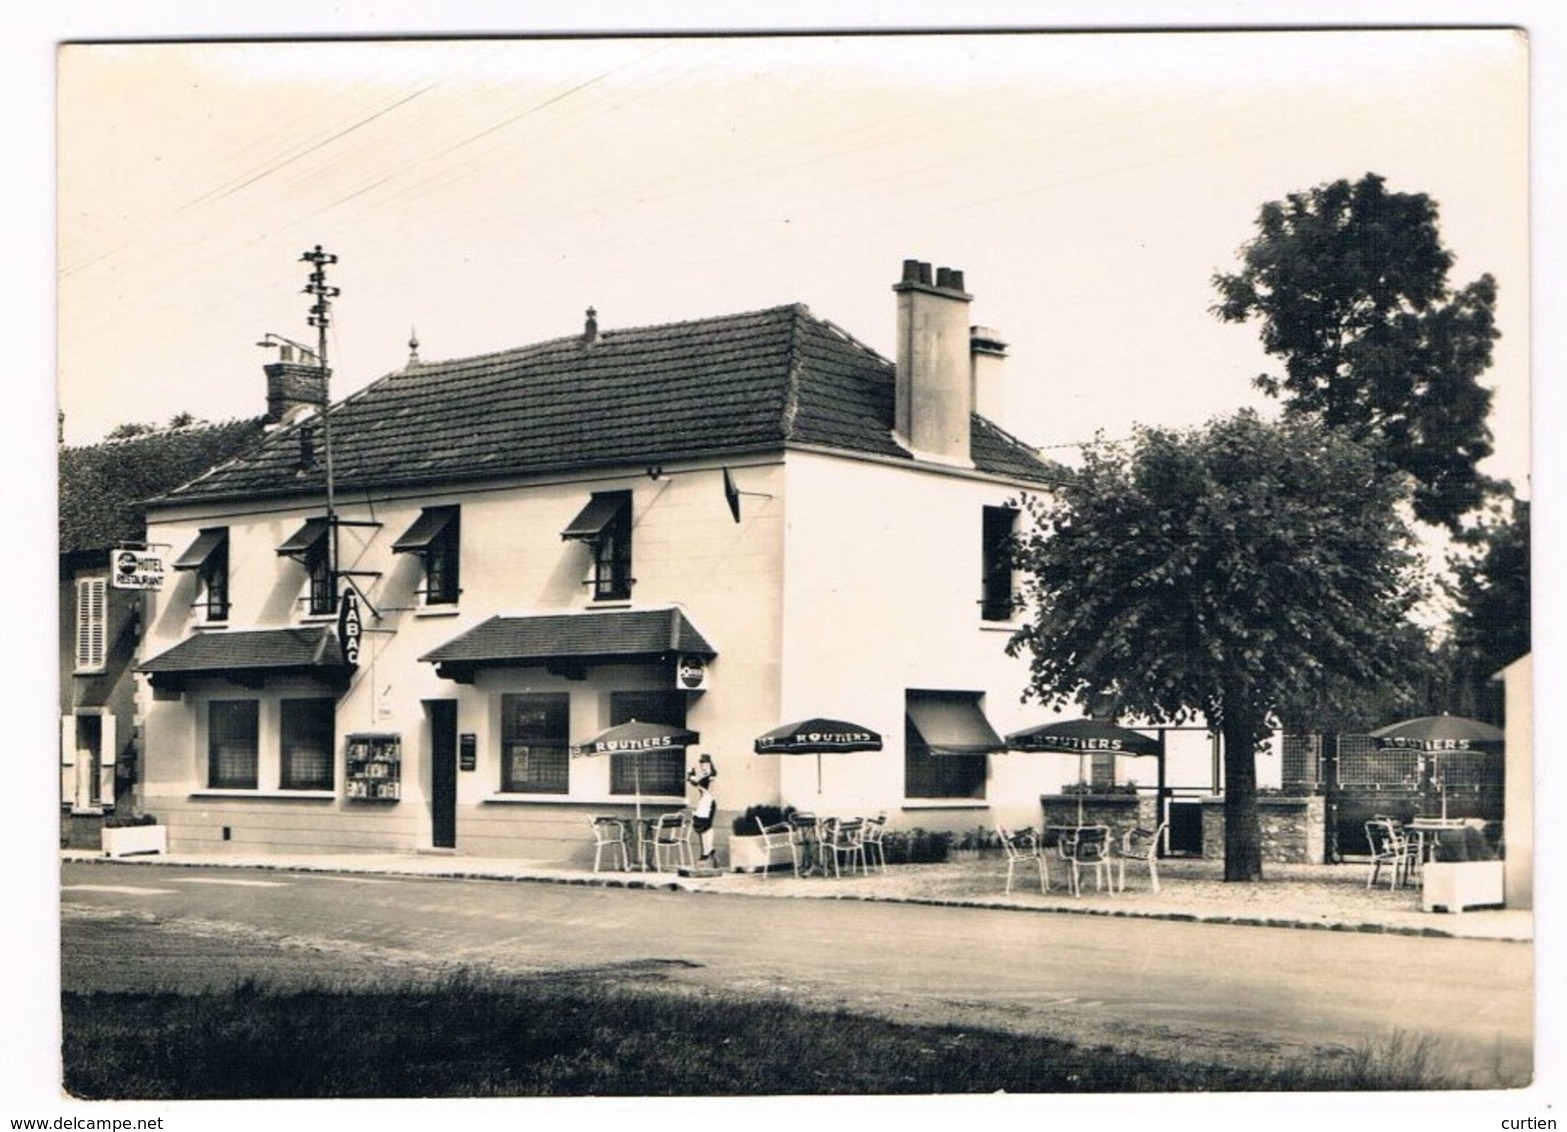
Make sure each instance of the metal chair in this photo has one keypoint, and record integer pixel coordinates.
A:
(1087, 847)
(1023, 848)
(778, 836)
(1389, 846)
(1140, 846)
(840, 840)
(871, 839)
(609, 833)
(672, 838)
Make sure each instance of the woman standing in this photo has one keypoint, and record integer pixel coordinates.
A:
(701, 776)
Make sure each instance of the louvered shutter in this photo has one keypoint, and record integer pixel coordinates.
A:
(91, 622)
(68, 759)
(108, 745)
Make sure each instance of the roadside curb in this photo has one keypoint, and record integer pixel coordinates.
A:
(678, 884)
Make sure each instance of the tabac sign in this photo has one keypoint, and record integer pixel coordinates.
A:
(135, 570)
(349, 627)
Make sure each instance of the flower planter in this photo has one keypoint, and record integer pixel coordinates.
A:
(746, 855)
(1456, 885)
(123, 841)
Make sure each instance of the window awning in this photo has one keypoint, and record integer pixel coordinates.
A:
(207, 543)
(598, 514)
(953, 726)
(570, 642)
(426, 529)
(305, 540)
(249, 657)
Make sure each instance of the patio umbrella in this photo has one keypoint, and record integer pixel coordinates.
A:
(635, 737)
(818, 736)
(1082, 737)
(1437, 734)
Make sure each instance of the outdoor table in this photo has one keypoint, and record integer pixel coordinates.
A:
(807, 827)
(1427, 834)
(640, 842)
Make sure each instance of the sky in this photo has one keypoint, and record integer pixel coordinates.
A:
(483, 194)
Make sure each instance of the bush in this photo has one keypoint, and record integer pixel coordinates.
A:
(127, 821)
(745, 824)
(915, 847)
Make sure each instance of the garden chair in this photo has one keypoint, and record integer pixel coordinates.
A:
(1023, 848)
(779, 835)
(1140, 846)
(672, 839)
(609, 833)
(1389, 846)
(1087, 847)
(841, 839)
(871, 839)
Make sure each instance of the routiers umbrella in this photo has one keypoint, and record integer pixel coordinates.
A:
(1437, 734)
(1082, 737)
(818, 736)
(634, 737)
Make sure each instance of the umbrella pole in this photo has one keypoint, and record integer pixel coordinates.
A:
(1080, 785)
(818, 773)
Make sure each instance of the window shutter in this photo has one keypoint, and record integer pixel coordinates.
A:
(68, 759)
(91, 618)
(106, 752)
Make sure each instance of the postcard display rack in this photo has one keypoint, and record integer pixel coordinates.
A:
(375, 766)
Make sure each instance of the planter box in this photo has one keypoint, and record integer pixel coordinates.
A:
(122, 841)
(1456, 885)
(746, 855)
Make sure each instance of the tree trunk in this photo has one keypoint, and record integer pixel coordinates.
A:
(1242, 826)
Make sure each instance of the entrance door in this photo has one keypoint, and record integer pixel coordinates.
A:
(89, 753)
(443, 773)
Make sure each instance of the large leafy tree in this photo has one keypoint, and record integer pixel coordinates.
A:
(1350, 284)
(1229, 572)
(1490, 587)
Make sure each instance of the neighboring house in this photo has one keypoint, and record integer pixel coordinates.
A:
(102, 492)
(725, 524)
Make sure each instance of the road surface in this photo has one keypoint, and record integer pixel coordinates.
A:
(1208, 992)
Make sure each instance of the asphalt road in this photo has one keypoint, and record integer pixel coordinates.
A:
(1208, 992)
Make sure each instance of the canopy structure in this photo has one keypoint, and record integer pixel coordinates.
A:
(1084, 737)
(250, 657)
(818, 736)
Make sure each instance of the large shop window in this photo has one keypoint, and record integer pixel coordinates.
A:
(535, 747)
(654, 772)
(208, 559)
(92, 623)
(996, 603)
(435, 537)
(605, 525)
(233, 730)
(946, 739)
(307, 730)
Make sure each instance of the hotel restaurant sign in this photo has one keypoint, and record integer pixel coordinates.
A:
(135, 570)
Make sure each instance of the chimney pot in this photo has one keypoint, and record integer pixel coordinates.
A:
(590, 329)
(911, 271)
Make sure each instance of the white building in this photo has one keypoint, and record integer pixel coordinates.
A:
(727, 524)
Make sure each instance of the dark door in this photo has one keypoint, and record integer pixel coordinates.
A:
(443, 773)
(1185, 828)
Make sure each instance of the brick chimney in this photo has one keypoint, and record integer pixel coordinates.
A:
(988, 355)
(293, 387)
(935, 381)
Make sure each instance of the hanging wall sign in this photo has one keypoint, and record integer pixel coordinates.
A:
(691, 673)
(349, 627)
(467, 751)
(135, 570)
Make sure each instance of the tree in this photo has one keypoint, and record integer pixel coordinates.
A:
(1225, 571)
(1490, 589)
(1350, 284)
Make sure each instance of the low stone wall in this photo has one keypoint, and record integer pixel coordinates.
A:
(1120, 812)
(1294, 828)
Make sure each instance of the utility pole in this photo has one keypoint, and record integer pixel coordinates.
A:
(321, 318)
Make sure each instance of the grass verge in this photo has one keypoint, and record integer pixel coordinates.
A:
(463, 1036)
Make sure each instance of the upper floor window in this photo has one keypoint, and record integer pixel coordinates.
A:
(92, 623)
(311, 547)
(605, 525)
(996, 600)
(435, 537)
(208, 558)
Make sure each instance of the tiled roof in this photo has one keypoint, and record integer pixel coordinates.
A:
(103, 486)
(548, 638)
(648, 395)
(312, 649)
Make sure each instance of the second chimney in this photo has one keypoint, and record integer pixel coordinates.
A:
(293, 387)
(935, 389)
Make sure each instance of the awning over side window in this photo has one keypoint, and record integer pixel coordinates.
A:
(303, 541)
(426, 529)
(207, 543)
(598, 514)
(250, 658)
(952, 725)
